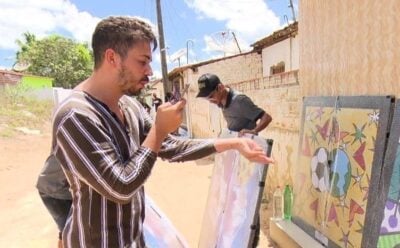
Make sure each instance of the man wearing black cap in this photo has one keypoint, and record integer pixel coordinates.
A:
(239, 111)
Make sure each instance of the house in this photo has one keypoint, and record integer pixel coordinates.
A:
(264, 72)
(8, 78)
(279, 51)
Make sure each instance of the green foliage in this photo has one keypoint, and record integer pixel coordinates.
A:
(63, 59)
(30, 39)
(19, 111)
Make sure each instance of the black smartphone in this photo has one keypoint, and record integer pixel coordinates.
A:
(185, 90)
(178, 97)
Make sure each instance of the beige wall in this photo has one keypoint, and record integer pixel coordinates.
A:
(349, 47)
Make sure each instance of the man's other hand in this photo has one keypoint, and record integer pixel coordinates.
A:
(169, 116)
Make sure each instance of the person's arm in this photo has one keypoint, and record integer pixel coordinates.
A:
(262, 123)
(177, 149)
(254, 113)
(89, 153)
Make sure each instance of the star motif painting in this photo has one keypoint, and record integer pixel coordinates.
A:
(339, 171)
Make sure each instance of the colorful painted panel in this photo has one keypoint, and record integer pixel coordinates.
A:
(341, 149)
(158, 230)
(390, 227)
(234, 199)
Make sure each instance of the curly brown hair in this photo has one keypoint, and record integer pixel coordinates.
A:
(120, 34)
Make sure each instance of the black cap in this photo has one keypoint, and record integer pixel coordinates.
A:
(207, 84)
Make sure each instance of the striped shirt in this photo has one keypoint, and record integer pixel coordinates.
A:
(106, 167)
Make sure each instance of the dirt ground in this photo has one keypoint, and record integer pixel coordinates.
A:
(180, 190)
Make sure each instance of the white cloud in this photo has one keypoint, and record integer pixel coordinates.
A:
(250, 20)
(42, 18)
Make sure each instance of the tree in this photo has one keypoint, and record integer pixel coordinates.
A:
(29, 40)
(63, 59)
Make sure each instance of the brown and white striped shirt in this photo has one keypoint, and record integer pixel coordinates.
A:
(107, 167)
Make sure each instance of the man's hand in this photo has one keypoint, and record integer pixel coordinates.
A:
(244, 131)
(252, 151)
(247, 147)
(169, 117)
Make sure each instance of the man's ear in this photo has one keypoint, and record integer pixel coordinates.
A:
(220, 87)
(111, 57)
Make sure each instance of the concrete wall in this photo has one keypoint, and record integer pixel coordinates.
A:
(349, 47)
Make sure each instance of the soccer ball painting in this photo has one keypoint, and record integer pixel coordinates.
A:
(340, 173)
(320, 170)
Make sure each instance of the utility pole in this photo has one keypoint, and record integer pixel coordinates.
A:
(163, 50)
(187, 49)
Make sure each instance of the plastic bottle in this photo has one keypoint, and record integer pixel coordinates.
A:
(287, 202)
(277, 201)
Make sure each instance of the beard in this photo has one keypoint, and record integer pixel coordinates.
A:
(127, 82)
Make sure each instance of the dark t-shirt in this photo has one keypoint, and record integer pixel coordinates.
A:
(240, 112)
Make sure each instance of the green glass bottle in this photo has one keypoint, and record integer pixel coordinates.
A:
(287, 202)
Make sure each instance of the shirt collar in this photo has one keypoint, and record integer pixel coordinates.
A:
(229, 98)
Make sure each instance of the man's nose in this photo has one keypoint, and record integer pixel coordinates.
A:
(149, 71)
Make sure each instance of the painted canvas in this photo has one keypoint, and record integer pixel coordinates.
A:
(342, 143)
(234, 199)
(390, 185)
(158, 230)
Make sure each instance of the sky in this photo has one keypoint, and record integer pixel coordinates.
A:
(194, 30)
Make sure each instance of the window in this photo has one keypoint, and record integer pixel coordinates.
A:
(278, 68)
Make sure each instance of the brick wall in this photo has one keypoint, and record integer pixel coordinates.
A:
(9, 77)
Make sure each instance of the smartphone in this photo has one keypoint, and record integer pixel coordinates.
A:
(181, 94)
(185, 90)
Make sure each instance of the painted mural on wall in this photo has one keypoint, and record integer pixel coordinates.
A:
(340, 157)
(390, 226)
